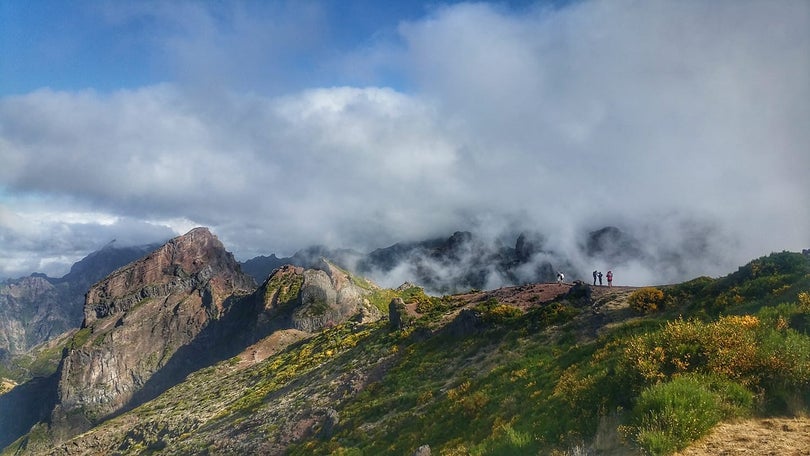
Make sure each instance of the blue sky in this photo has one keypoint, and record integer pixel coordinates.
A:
(363, 123)
(109, 45)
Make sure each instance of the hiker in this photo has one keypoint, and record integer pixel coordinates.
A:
(594, 277)
(610, 278)
(560, 277)
(600, 278)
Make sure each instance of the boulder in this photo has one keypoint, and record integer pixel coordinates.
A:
(579, 293)
(466, 323)
(397, 314)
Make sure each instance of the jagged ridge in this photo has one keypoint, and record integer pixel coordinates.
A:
(182, 307)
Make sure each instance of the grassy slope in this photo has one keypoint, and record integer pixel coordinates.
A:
(525, 384)
(40, 361)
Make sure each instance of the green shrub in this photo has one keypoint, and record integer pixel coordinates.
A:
(687, 291)
(668, 416)
(763, 280)
(647, 299)
(507, 440)
(804, 301)
(424, 305)
(502, 313)
(79, 338)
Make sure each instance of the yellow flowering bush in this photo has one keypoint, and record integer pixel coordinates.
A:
(647, 299)
(804, 301)
(728, 347)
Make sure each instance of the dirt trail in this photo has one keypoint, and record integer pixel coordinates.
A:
(530, 295)
(756, 437)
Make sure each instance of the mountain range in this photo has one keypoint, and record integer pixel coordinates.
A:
(466, 261)
(37, 308)
(180, 351)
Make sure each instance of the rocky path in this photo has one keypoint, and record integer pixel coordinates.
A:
(756, 437)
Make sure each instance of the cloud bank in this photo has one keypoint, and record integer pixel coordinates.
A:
(674, 120)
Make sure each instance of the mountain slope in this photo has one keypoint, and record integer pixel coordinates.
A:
(517, 370)
(183, 307)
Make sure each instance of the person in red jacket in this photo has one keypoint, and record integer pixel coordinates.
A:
(610, 278)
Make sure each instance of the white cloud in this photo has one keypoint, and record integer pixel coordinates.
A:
(631, 107)
(556, 120)
(48, 235)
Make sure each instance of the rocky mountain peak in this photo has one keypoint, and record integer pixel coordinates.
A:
(137, 321)
(192, 260)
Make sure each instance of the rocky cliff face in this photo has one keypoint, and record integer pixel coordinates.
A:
(312, 299)
(136, 320)
(329, 297)
(28, 312)
(124, 336)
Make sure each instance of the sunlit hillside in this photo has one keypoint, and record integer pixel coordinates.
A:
(538, 369)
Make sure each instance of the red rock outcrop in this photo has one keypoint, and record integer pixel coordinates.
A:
(136, 320)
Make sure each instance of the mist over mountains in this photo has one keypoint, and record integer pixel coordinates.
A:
(492, 254)
(474, 260)
(38, 307)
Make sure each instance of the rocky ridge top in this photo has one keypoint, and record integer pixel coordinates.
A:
(135, 322)
(196, 259)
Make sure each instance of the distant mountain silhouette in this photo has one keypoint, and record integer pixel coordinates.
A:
(36, 308)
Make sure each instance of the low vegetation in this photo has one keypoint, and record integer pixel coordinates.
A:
(665, 383)
(521, 381)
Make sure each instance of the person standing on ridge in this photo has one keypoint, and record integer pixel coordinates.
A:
(600, 278)
(560, 277)
(594, 277)
(610, 278)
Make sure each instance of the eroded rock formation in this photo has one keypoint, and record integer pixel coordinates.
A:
(137, 319)
(184, 306)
